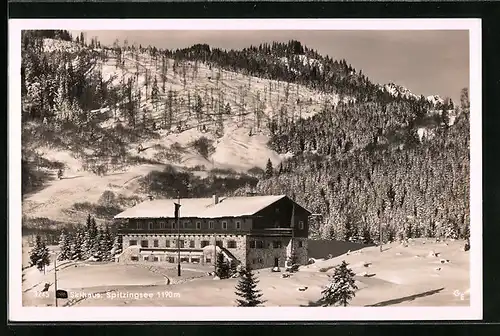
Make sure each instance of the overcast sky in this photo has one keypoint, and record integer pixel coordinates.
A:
(426, 62)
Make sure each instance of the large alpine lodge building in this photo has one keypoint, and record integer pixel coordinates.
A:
(263, 231)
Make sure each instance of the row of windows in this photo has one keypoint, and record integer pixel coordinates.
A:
(259, 244)
(183, 243)
(183, 225)
(194, 260)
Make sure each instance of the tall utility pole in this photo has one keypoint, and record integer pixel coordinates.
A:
(380, 235)
(177, 210)
(55, 278)
(292, 225)
(215, 253)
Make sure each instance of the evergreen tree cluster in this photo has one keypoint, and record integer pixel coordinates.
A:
(39, 255)
(89, 241)
(363, 167)
(62, 84)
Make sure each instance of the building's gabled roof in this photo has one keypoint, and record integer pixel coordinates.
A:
(201, 207)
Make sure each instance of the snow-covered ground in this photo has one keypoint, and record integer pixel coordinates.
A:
(405, 276)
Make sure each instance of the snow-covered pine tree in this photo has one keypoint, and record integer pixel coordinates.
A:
(247, 290)
(117, 246)
(39, 255)
(65, 246)
(221, 267)
(269, 169)
(90, 245)
(342, 287)
(452, 230)
(99, 253)
(94, 232)
(233, 267)
(77, 244)
(105, 244)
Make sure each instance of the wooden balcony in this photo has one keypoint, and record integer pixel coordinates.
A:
(287, 232)
(254, 232)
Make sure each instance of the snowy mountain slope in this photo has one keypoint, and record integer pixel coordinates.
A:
(241, 145)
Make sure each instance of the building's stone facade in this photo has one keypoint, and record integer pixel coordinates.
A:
(163, 247)
(264, 256)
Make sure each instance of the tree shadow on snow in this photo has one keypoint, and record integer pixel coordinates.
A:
(71, 177)
(406, 298)
(318, 303)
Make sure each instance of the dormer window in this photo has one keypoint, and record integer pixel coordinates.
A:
(224, 225)
(238, 225)
(150, 225)
(210, 224)
(198, 225)
(301, 225)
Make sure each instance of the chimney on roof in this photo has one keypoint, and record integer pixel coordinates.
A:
(215, 199)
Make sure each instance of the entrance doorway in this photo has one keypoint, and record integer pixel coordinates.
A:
(276, 262)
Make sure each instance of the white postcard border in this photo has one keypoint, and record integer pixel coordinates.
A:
(19, 313)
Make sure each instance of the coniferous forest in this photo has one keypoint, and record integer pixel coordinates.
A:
(363, 164)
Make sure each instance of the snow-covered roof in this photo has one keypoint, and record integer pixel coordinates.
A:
(201, 207)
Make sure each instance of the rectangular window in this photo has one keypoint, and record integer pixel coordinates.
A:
(204, 243)
(224, 225)
(146, 258)
(184, 259)
(198, 225)
(171, 260)
(231, 244)
(150, 225)
(238, 225)
(132, 242)
(219, 243)
(301, 243)
(181, 243)
(211, 224)
(277, 244)
(167, 243)
(139, 226)
(144, 243)
(134, 258)
(252, 243)
(208, 260)
(155, 243)
(155, 258)
(259, 244)
(191, 243)
(301, 225)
